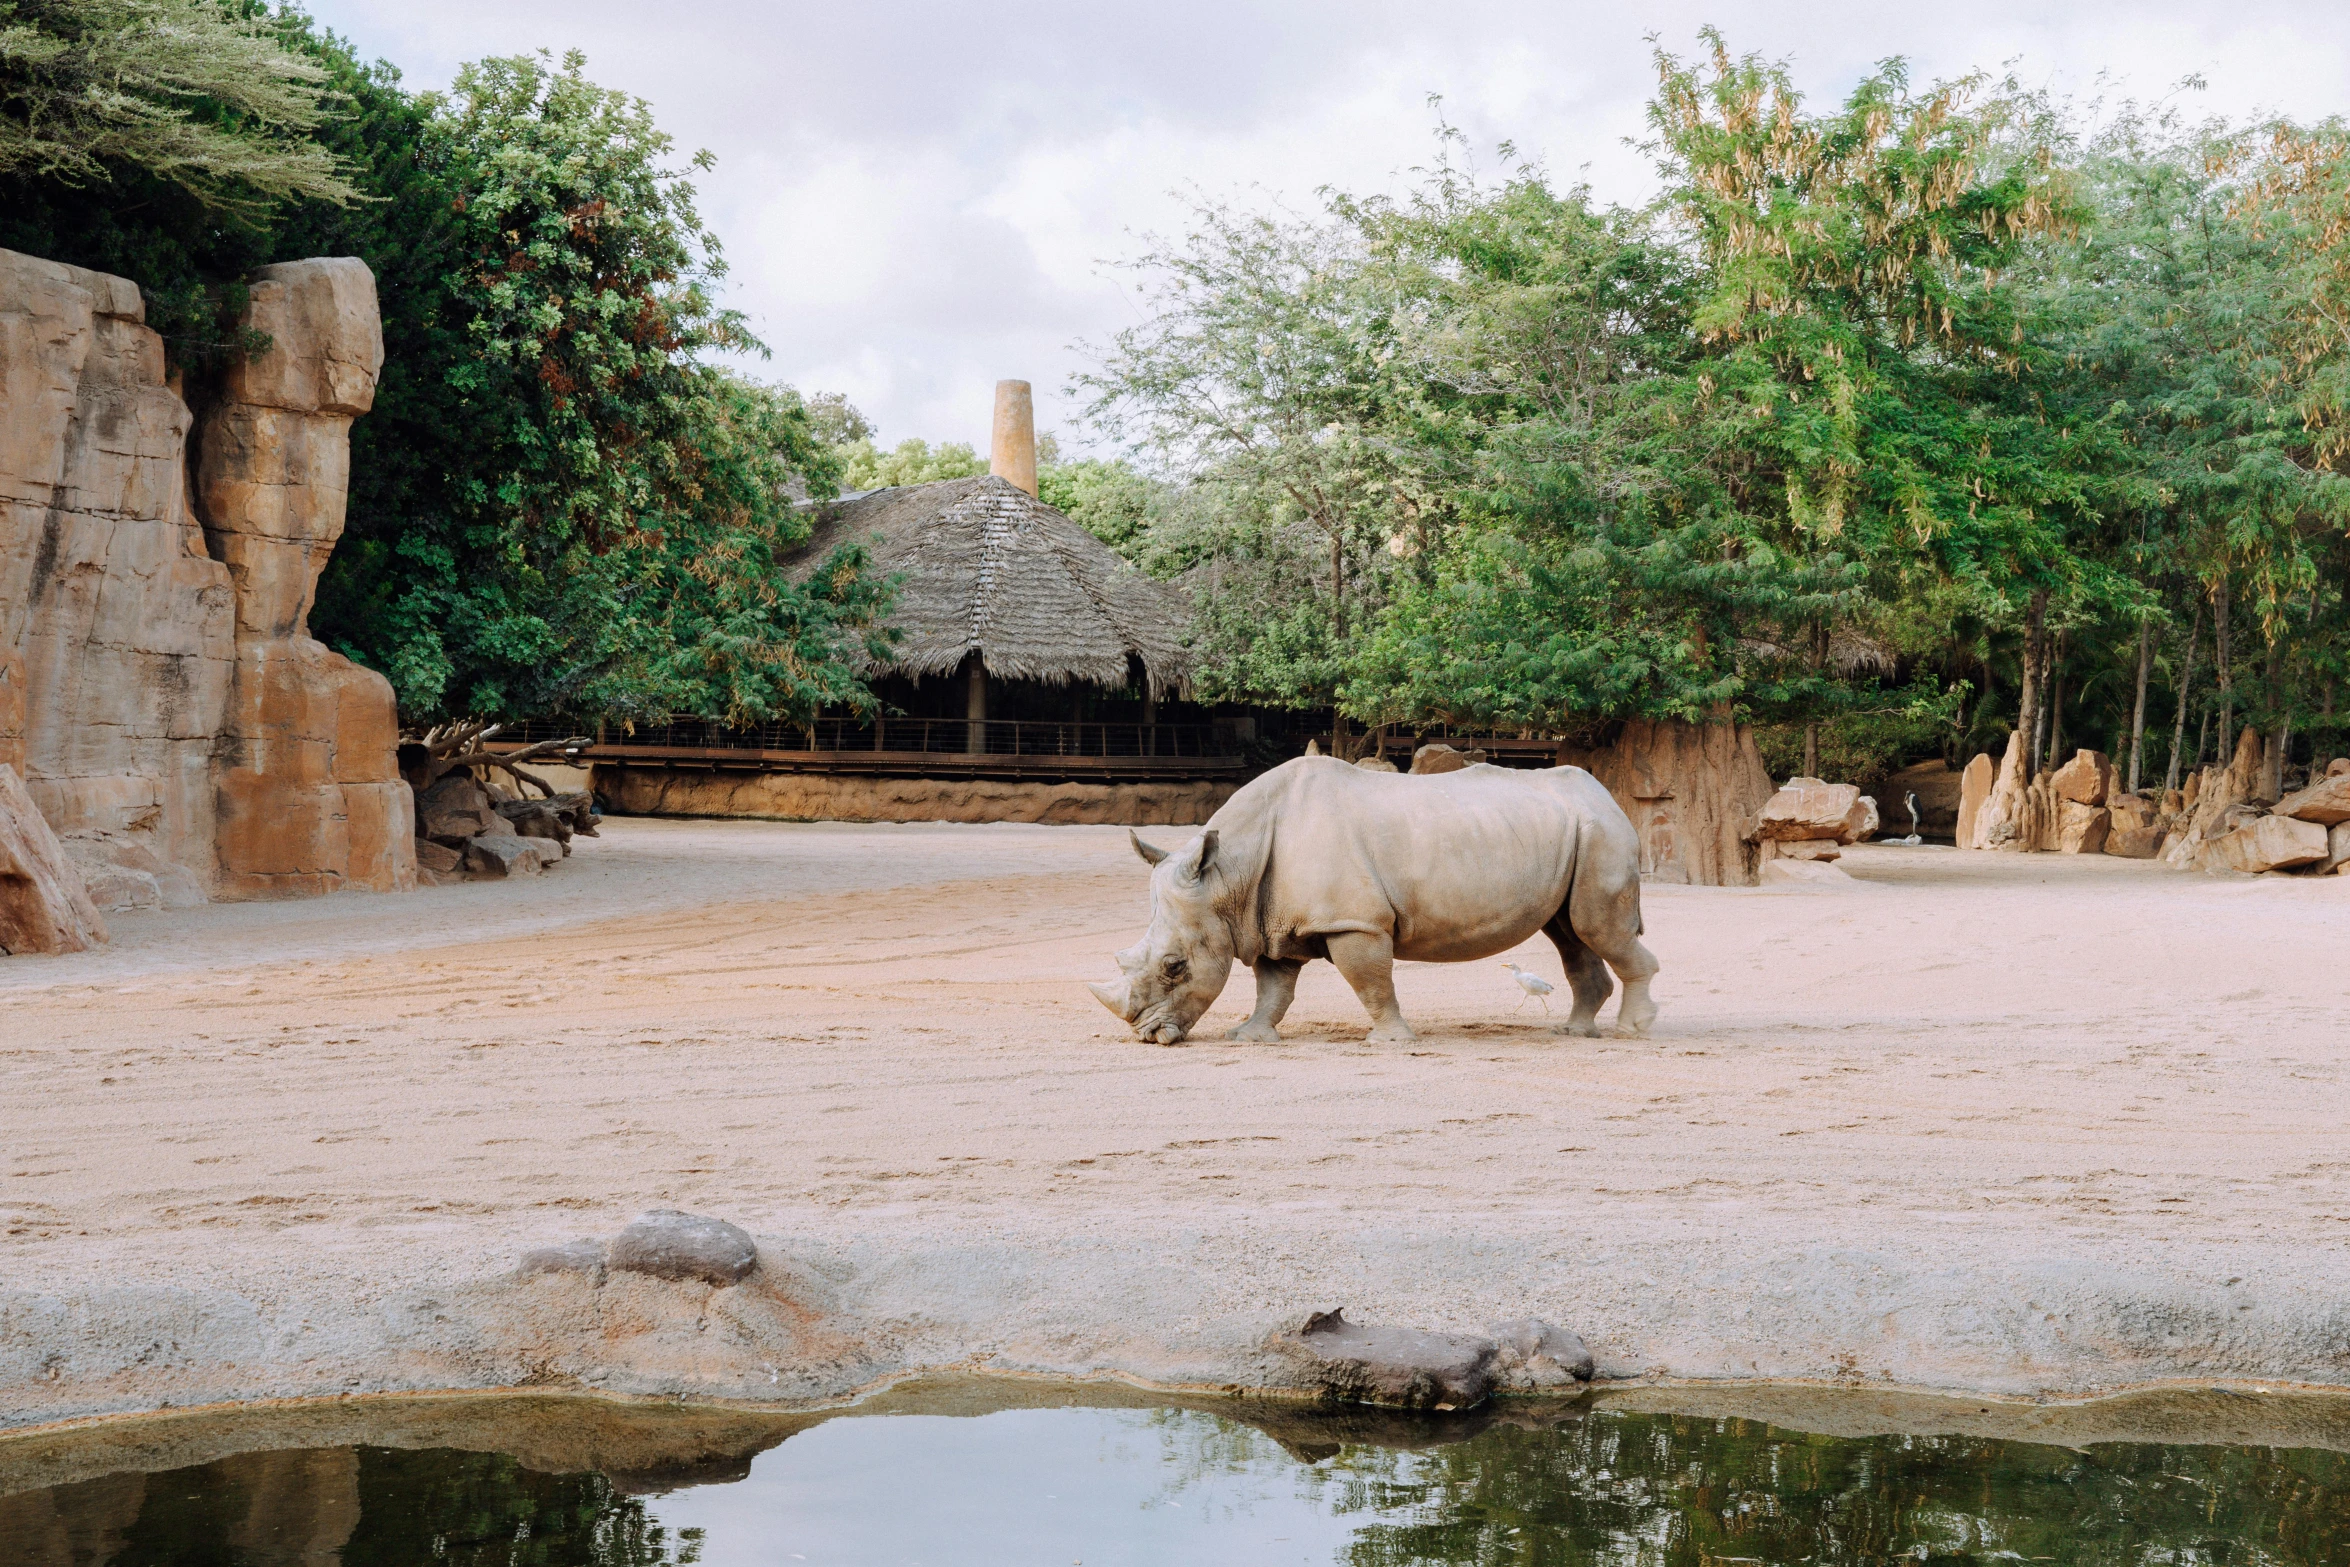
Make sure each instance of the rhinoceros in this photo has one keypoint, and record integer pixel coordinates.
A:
(1317, 859)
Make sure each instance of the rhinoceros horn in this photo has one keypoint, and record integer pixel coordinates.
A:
(1115, 1000)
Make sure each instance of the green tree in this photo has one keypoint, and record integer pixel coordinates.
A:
(202, 95)
(911, 461)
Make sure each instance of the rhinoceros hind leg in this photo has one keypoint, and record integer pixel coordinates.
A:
(1586, 976)
(1368, 964)
(1638, 966)
(1276, 988)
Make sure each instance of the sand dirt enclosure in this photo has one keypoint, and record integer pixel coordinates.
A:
(2014, 1125)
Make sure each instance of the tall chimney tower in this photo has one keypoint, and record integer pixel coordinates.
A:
(1012, 454)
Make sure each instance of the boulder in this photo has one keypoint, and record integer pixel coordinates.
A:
(2325, 802)
(2018, 815)
(2135, 828)
(667, 1244)
(455, 810)
(2337, 849)
(2213, 798)
(438, 858)
(1377, 764)
(1869, 821)
(1809, 808)
(1402, 1368)
(2085, 780)
(500, 855)
(2081, 829)
(2338, 766)
(1974, 787)
(538, 819)
(580, 1256)
(1436, 757)
(2270, 843)
(1801, 849)
(43, 905)
(1531, 1356)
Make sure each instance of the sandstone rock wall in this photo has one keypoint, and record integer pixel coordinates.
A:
(159, 689)
(1694, 793)
(644, 791)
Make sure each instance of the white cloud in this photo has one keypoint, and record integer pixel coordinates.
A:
(914, 197)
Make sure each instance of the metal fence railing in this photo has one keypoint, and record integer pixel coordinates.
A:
(941, 736)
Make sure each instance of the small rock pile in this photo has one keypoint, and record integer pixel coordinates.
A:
(1409, 1368)
(684, 1248)
(1813, 820)
(465, 831)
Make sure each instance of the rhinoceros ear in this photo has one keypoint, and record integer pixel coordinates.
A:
(1150, 855)
(1200, 856)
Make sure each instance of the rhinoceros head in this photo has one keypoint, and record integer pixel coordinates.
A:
(1179, 967)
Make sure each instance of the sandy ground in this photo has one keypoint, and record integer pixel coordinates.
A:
(2011, 1124)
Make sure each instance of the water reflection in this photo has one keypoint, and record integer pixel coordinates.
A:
(1570, 1485)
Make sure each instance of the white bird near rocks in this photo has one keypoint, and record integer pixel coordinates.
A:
(1533, 985)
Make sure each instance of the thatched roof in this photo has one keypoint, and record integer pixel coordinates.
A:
(986, 567)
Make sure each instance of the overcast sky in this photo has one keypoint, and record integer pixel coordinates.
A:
(916, 197)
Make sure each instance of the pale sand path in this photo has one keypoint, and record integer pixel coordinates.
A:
(2005, 1123)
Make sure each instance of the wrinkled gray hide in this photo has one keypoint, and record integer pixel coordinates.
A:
(1317, 859)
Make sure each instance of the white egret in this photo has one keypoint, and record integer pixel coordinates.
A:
(1533, 985)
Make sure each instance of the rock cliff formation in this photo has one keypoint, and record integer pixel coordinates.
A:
(1694, 793)
(159, 690)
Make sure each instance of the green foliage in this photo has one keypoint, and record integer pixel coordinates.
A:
(1111, 499)
(911, 461)
(198, 94)
(555, 507)
(1887, 426)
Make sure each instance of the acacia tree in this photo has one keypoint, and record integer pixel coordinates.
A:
(199, 94)
(1261, 377)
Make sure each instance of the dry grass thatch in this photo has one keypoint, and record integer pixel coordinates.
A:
(986, 567)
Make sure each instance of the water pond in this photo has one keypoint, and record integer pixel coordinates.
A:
(967, 1474)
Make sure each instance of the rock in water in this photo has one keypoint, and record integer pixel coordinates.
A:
(43, 905)
(1531, 1356)
(667, 1244)
(1403, 1368)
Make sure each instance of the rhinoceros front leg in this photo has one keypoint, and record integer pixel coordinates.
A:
(1276, 989)
(1368, 962)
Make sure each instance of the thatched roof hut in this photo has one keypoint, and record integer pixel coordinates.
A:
(987, 568)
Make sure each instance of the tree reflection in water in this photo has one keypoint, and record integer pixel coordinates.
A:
(1677, 1491)
(1510, 1487)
